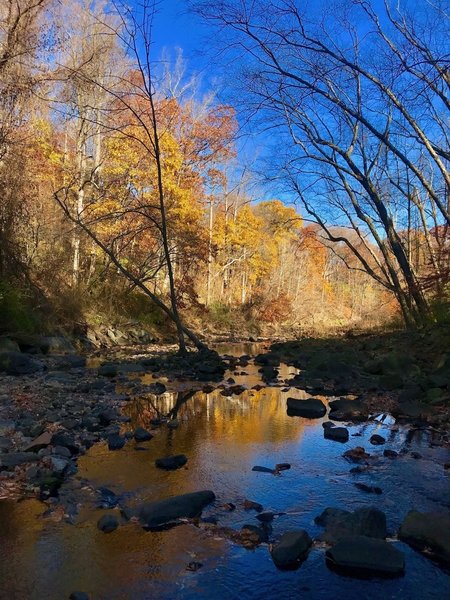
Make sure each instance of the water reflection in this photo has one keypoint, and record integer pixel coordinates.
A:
(223, 438)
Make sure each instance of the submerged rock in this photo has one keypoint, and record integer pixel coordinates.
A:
(250, 505)
(361, 556)
(170, 463)
(311, 408)
(427, 531)
(291, 549)
(356, 455)
(371, 489)
(107, 523)
(163, 512)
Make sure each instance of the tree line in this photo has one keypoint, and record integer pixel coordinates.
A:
(119, 175)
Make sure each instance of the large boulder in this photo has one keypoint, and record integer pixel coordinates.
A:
(291, 549)
(16, 363)
(361, 556)
(311, 408)
(338, 523)
(427, 531)
(163, 512)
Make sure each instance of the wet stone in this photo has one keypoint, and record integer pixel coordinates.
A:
(142, 435)
(428, 531)
(291, 549)
(359, 555)
(171, 463)
(108, 523)
(337, 434)
(116, 441)
(312, 408)
(377, 440)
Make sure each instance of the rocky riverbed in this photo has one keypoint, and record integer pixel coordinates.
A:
(277, 482)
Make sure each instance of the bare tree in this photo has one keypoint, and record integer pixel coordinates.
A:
(359, 111)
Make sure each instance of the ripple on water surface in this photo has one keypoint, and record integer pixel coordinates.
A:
(223, 439)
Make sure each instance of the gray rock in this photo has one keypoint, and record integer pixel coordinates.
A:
(61, 451)
(107, 523)
(42, 441)
(170, 463)
(338, 434)
(67, 441)
(291, 549)
(312, 408)
(366, 521)
(162, 512)
(59, 465)
(142, 435)
(16, 363)
(13, 459)
(116, 441)
(427, 531)
(361, 556)
(107, 416)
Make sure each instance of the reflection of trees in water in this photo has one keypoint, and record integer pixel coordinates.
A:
(253, 416)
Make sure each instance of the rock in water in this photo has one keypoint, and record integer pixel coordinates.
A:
(107, 523)
(163, 512)
(263, 469)
(291, 549)
(116, 441)
(370, 489)
(427, 530)
(312, 408)
(142, 435)
(250, 505)
(338, 434)
(170, 463)
(377, 440)
(361, 556)
(338, 523)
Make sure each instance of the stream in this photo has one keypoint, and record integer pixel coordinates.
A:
(223, 438)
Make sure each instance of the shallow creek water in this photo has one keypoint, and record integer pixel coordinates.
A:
(223, 438)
